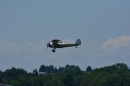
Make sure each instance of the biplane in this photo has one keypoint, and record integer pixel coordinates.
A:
(56, 43)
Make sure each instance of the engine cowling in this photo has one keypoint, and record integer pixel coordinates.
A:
(50, 44)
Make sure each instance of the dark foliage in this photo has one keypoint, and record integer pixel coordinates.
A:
(88, 69)
(70, 75)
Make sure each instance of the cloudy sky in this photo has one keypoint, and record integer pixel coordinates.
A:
(26, 26)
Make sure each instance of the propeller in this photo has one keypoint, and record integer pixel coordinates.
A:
(47, 45)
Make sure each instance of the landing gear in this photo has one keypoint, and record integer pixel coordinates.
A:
(53, 50)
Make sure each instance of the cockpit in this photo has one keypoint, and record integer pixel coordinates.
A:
(60, 42)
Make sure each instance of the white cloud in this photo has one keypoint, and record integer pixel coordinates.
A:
(116, 43)
(7, 47)
(15, 48)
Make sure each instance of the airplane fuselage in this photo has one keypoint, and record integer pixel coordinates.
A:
(59, 44)
(64, 45)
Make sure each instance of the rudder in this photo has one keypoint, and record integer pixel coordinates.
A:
(78, 42)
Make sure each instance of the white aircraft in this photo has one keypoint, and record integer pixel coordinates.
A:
(55, 43)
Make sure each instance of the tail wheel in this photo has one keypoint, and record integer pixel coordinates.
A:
(53, 50)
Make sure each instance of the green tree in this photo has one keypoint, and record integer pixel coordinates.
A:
(55, 70)
(88, 69)
(114, 75)
(42, 68)
(68, 79)
(61, 69)
(60, 83)
(35, 72)
(1, 73)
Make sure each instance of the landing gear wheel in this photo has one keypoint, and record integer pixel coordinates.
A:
(53, 50)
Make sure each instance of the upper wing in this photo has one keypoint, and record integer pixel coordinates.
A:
(55, 41)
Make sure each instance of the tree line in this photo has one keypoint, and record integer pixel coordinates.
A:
(70, 75)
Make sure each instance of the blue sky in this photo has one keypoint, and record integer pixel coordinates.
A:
(26, 27)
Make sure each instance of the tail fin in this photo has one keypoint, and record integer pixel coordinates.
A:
(78, 42)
